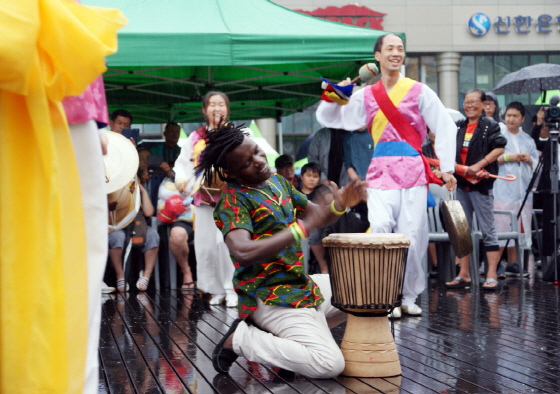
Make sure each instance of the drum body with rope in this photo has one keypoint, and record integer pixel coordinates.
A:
(123, 194)
(208, 190)
(367, 277)
(124, 205)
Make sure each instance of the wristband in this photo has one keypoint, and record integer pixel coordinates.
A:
(294, 233)
(299, 231)
(300, 223)
(333, 209)
(506, 157)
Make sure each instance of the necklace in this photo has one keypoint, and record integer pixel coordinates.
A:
(271, 185)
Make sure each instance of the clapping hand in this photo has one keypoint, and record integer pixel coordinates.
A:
(351, 194)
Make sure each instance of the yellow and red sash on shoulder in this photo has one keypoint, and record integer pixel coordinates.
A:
(397, 94)
(388, 112)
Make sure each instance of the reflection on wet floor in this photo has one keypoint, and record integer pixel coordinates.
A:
(466, 341)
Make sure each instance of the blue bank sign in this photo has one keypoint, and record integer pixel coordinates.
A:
(479, 24)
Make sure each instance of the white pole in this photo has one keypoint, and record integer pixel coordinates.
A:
(280, 140)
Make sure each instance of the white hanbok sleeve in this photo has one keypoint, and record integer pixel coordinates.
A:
(440, 123)
(351, 116)
(184, 165)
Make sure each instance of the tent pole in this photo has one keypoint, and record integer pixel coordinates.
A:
(280, 136)
(280, 142)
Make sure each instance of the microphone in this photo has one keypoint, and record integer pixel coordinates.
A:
(554, 100)
(367, 72)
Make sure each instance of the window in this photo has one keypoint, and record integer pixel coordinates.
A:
(485, 72)
(423, 69)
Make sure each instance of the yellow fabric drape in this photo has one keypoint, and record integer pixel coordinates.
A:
(49, 49)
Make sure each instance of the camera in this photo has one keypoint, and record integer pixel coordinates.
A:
(154, 163)
(552, 113)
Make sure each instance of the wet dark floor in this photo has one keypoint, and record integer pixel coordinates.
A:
(466, 341)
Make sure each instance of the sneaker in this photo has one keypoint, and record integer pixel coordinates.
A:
(413, 310)
(217, 299)
(513, 270)
(396, 314)
(501, 271)
(231, 300)
(107, 289)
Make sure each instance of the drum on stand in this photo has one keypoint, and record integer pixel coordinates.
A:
(367, 277)
(123, 194)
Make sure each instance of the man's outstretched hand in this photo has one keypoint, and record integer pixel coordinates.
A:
(350, 195)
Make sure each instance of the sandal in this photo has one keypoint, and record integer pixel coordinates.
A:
(490, 281)
(193, 288)
(142, 281)
(122, 286)
(461, 284)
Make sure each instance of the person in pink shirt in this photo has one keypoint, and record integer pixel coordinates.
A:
(397, 176)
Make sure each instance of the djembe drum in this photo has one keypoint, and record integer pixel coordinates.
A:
(209, 189)
(121, 185)
(367, 276)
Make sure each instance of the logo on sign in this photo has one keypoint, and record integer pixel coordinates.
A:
(479, 24)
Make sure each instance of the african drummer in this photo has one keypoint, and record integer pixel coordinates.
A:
(263, 219)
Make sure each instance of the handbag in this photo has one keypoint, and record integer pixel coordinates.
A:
(139, 229)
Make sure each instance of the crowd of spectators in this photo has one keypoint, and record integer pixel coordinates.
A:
(485, 140)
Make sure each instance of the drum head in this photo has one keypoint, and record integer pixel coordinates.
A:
(121, 162)
(365, 240)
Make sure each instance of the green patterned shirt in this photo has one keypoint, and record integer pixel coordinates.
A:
(281, 279)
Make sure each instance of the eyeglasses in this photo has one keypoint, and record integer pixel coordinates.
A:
(469, 103)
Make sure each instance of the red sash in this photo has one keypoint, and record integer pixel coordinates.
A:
(403, 127)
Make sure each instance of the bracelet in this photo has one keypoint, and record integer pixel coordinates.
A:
(294, 233)
(488, 163)
(299, 231)
(305, 232)
(506, 157)
(333, 209)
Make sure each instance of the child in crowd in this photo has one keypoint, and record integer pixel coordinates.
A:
(310, 175)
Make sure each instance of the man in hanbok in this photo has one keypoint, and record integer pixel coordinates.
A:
(519, 159)
(397, 110)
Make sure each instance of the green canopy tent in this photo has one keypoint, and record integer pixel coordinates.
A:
(266, 58)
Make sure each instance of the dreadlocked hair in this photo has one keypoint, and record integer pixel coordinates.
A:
(219, 142)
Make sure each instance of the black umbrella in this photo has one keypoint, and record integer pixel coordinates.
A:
(536, 78)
